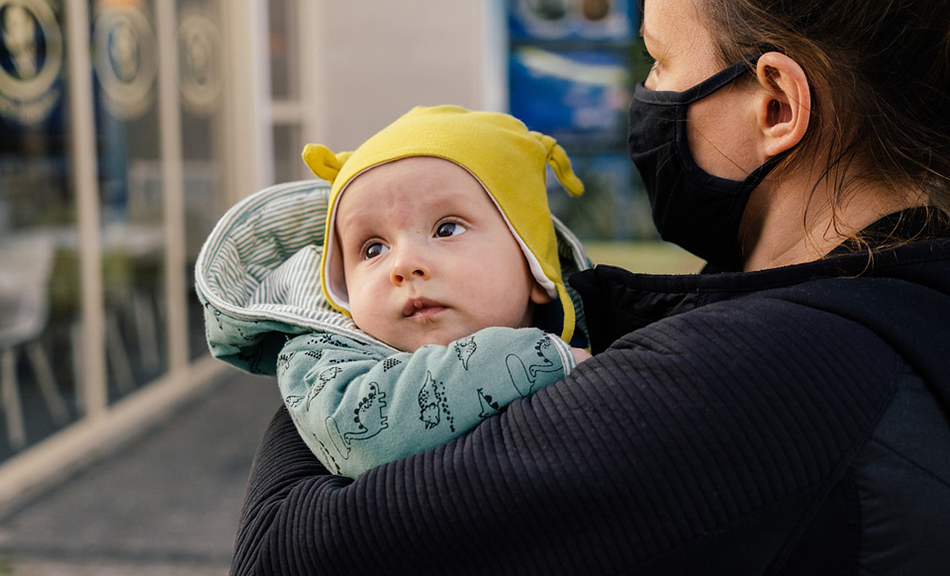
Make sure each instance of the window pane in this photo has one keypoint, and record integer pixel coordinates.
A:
(39, 279)
(284, 56)
(125, 61)
(200, 65)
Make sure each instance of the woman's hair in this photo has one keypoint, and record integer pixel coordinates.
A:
(880, 77)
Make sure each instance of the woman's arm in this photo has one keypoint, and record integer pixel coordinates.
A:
(690, 445)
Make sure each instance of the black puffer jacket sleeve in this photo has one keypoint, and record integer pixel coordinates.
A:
(704, 443)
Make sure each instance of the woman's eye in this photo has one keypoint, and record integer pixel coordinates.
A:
(373, 250)
(447, 229)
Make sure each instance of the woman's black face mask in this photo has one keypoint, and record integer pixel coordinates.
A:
(691, 207)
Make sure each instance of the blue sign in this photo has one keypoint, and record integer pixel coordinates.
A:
(571, 19)
(570, 95)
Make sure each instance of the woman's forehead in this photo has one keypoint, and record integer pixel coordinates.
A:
(676, 33)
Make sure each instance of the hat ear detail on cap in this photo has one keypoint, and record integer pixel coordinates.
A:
(323, 162)
(557, 159)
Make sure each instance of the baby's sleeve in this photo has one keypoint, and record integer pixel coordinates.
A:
(357, 408)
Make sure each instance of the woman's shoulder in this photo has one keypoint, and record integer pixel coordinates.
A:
(762, 339)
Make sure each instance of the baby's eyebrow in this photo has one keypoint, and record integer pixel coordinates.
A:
(349, 224)
(353, 236)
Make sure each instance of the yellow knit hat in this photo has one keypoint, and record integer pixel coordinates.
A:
(497, 149)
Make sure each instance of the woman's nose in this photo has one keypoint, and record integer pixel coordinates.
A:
(408, 264)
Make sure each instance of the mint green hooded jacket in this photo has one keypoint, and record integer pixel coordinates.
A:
(356, 401)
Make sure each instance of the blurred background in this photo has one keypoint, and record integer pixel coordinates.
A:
(127, 128)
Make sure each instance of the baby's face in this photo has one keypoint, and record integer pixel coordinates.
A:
(427, 256)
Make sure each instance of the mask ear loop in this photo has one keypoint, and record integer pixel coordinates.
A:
(698, 91)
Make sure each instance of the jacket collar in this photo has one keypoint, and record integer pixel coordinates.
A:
(625, 301)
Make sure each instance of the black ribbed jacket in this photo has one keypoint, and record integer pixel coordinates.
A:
(789, 421)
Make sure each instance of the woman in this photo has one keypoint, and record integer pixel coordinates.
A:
(786, 412)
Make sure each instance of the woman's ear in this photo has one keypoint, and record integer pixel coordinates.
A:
(539, 295)
(785, 102)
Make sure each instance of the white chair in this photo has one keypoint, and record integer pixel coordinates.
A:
(26, 262)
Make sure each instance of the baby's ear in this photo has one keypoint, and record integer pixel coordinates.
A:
(539, 295)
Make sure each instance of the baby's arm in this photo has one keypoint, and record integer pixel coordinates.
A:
(357, 408)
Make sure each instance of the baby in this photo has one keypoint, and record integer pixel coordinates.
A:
(440, 246)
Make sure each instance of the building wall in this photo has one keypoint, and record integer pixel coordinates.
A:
(382, 58)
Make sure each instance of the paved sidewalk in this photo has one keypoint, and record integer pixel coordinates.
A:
(167, 504)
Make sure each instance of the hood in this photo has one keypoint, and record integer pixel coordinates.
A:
(258, 276)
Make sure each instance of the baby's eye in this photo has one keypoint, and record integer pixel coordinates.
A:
(373, 250)
(447, 229)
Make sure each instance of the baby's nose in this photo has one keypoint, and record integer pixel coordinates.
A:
(408, 265)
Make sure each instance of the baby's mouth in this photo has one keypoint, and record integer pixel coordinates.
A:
(421, 308)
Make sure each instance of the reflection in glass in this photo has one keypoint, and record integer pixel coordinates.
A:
(200, 67)
(125, 57)
(39, 286)
(132, 236)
